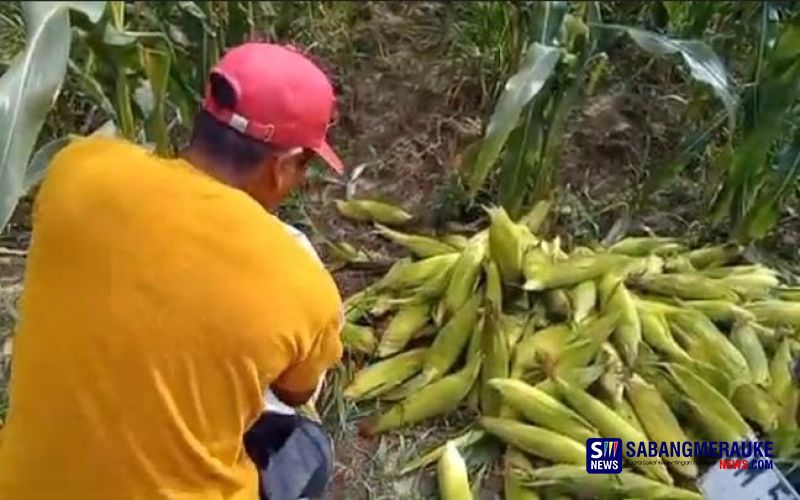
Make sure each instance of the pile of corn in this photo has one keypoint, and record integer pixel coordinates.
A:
(644, 340)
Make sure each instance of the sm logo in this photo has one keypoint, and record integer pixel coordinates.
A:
(604, 456)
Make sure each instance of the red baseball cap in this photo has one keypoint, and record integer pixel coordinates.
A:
(282, 98)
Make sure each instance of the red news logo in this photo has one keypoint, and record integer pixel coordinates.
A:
(738, 463)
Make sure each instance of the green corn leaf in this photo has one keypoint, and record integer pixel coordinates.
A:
(703, 63)
(29, 87)
(539, 64)
(156, 66)
(40, 161)
(545, 21)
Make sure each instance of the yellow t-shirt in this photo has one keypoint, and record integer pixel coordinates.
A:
(159, 305)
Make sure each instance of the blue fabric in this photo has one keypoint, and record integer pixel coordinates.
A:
(294, 456)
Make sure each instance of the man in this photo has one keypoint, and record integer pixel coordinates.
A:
(162, 300)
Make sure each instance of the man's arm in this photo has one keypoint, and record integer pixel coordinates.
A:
(304, 379)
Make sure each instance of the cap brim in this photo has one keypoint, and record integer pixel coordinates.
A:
(330, 157)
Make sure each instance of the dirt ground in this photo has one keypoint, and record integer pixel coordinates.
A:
(405, 111)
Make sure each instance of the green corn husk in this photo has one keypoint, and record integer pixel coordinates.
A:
(755, 404)
(639, 246)
(359, 304)
(719, 310)
(437, 398)
(451, 472)
(609, 423)
(686, 286)
(462, 441)
(358, 338)
(658, 421)
(405, 274)
(586, 342)
(514, 461)
(679, 264)
(575, 479)
(724, 272)
(495, 362)
(542, 274)
(464, 278)
(776, 312)
(401, 329)
(421, 246)
(542, 409)
(611, 382)
(581, 378)
(714, 256)
(383, 376)
(583, 298)
(616, 299)
(373, 211)
(494, 285)
(717, 413)
(744, 337)
(506, 244)
(656, 332)
(514, 325)
(458, 241)
(534, 219)
(535, 440)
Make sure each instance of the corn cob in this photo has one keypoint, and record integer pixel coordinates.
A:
(458, 241)
(452, 475)
(463, 440)
(713, 408)
(575, 479)
(714, 256)
(495, 361)
(724, 272)
(438, 398)
(719, 310)
(658, 420)
(541, 274)
(406, 274)
(542, 409)
(506, 244)
(746, 340)
(611, 381)
(494, 285)
(616, 299)
(515, 462)
(371, 210)
(782, 387)
(358, 338)
(791, 294)
(346, 252)
(401, 329)
(581, 378)
(752, 286)
(583, 298)
(776, 312)
(656, 332)
(549, 341)
(421, 246)
(686, 286)
(464, 278)
(755, 404)
(381, 377)
(584, 345)
(644, 245)
(717, 348)
(359, 304)
(609, 423)
(451, 340)
(535, 440)
(534, 219)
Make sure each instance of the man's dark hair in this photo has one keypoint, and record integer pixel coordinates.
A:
(221, 143)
